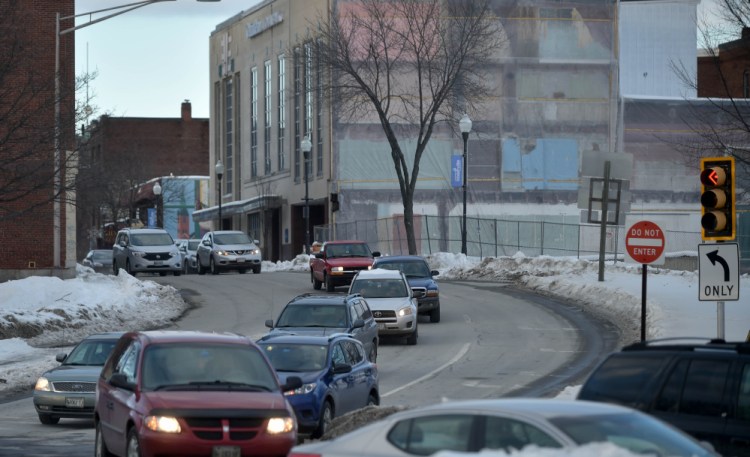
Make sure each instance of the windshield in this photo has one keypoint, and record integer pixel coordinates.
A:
(380, 288)
(313, 316)
(206, 366)
(151, 239)
(638, 433)
(90, 352)
(347, 250)
(232, 238)
(410, 269)
(296, 357)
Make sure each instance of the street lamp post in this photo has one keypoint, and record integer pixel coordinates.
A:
(157, 194)
(306, 145)
(219, 168)
(58, 161)
(465, 125)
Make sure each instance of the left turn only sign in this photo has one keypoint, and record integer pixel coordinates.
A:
(719, 272)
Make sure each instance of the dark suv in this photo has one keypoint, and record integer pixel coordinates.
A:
(702, 387)
(314, 314)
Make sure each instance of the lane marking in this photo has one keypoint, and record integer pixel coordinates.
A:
(432, 373)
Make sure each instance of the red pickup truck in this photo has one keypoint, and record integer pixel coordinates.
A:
(338, 261)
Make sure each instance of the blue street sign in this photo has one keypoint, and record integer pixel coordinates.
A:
(457, 171)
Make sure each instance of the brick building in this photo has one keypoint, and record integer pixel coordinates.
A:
(119, 158)
(37, 223)
(729, 65)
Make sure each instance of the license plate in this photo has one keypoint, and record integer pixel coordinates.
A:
(226, 451)
(240, 260)
(157, 262)
(74, 402)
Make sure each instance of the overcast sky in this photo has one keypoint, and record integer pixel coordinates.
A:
(148, 61)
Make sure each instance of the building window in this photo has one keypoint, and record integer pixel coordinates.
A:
(281, 127)
(308, 101)
(297, 112)
(254, 122)
(319, 117)
(267, 126)
(228, 133)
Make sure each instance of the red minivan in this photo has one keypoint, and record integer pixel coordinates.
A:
(186, 393)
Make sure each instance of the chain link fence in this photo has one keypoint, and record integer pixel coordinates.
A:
(499, 237)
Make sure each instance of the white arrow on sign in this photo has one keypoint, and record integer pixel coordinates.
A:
(718, 272)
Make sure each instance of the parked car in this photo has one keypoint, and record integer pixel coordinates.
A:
(393, 302)
(311, 314)
(337, 376)
(188, 249)
(100, 260)
(68, 389)
(699, 386)
(185, 393)
(227, 250)
(336, 263)
(420, 278)
(146, 250)
(506, 424)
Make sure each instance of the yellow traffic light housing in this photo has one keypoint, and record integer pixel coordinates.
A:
(717, 198)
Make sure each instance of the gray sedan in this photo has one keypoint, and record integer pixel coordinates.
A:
(68, 390)
(506, 424)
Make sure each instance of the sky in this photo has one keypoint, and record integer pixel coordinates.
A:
(70, 309)
(148, 61)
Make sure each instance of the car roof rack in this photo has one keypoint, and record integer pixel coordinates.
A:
(690, 344)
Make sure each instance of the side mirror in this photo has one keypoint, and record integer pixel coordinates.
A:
(339, 368)
(292, 382)
(376, 254)
(434, 273)
(60, 357)
(419, 293)
(359, 323)
(257, 243)
(206, 243)
(123, 243)
(121, 380)
(269, 323)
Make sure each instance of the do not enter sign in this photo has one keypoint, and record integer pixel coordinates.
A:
(644, 243)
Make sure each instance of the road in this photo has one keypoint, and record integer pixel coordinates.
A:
(493, 340)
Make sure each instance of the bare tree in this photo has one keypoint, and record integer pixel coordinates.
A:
(720, 118)
(409, 65)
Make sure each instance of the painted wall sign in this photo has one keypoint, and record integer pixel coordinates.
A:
(257, 27)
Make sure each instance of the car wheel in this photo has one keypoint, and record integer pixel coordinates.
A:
(256, 270)
(162, 273)
(46, 419)
(411, 340)
(435, 315)
(372, 400)
(329, 285)
(373, 355)
(326, 418)
(201, 270)
(115, 270)
(185, 268)
(177, 273)
(133, 448)
(128, 269)
(242, 271)
(100, 449)
(316, 284)
(212, 266)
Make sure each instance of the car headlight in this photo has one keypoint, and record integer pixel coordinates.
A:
(337, 269)
(138, 253)
(278, 425)
(432, 293)
(405, 311)
(174, 254)
(305, 389)
(221, 252)
(255, 252)
(42, 384)
(165, 424)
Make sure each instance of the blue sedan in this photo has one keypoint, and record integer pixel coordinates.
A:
(420, 278)
(337, 376)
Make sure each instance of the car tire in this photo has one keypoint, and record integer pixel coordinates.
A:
(372, 400)
(411, 340)
(115, 270)
(100, 448)
(329, 286)
(326, 418)
(128, 269)
(242, 271)
(316, 284)
(48, 419)
(185, 268)
(201, 268)
(162, 273)
(256, 270)
(133, 447)
(177, 273)
(435, 315)
(212, 266)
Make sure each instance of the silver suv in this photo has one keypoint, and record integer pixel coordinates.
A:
(152, 250)
(227, 250)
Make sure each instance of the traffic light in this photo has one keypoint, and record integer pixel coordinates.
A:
(717, 198)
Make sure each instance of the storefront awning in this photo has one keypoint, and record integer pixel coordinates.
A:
(250, 205)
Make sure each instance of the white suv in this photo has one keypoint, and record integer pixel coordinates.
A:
(392, 301)
(227, 250)
(151, 250)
